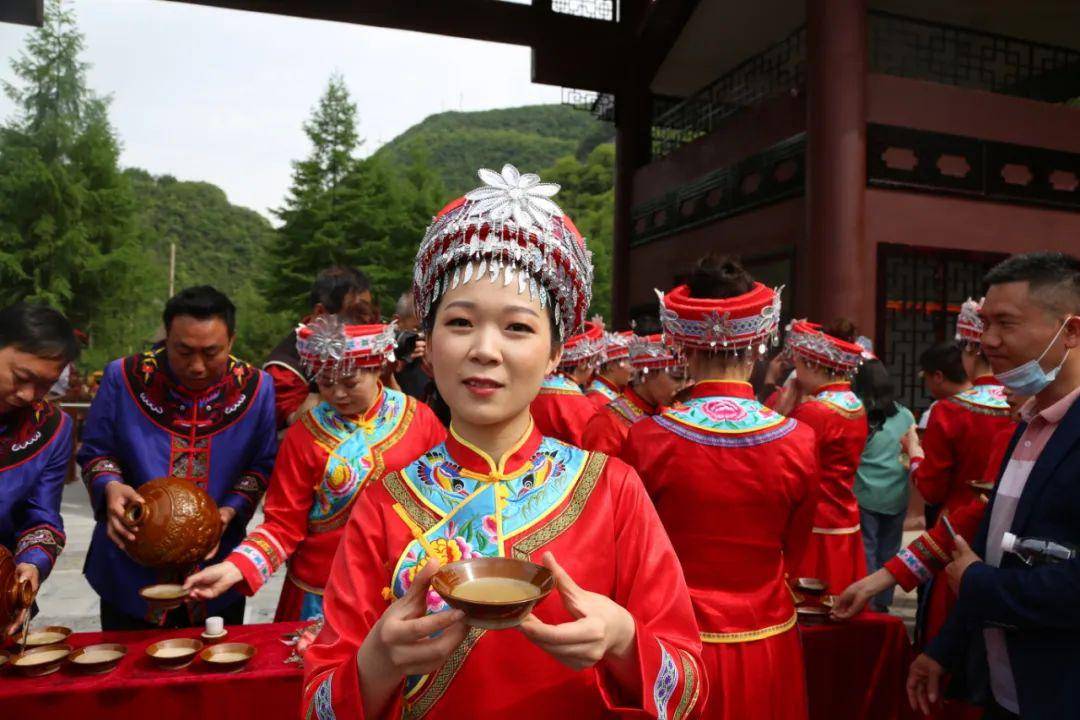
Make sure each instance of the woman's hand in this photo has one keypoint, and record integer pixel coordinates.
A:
(211, 582)
(854, 598)
(406, 641)
(910, 444)
(601, 630)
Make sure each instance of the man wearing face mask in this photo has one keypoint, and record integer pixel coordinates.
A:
(1016, 626)
(189, 410)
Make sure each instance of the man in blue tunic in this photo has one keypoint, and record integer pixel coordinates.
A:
(187, 409)
(36, 344)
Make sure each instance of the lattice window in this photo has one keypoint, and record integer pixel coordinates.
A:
(921, 291)
(595, 9)
(912, 48)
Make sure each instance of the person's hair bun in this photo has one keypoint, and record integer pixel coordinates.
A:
(842, 328)
(719, 276)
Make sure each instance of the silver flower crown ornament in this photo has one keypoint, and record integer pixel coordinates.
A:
(509, 228)
(329, 347)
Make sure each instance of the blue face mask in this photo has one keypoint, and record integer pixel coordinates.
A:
(1030, 378)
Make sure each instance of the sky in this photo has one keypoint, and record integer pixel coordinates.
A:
(220, 95)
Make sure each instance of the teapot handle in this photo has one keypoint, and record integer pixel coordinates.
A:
(136, 513)
(24, 593)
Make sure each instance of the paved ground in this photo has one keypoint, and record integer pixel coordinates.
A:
(67, 599)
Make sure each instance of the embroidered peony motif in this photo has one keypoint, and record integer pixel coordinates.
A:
(491, 529)
(512, 196)
(723, 410)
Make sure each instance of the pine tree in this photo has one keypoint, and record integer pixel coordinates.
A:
(314, 216)
(66, 231)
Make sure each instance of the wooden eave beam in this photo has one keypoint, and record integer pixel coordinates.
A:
(490, 20)
(658, 31)
(22, 12)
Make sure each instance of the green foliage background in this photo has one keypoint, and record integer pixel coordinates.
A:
(92, 239)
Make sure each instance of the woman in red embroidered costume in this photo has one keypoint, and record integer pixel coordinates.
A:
(733, 482)
(359, 431)
(615, 370)
(660, 375)
(824, 365)
(979, 419)
(561, 409)
(500, 275)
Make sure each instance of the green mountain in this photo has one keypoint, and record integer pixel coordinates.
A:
(217, 243)
(533, 138)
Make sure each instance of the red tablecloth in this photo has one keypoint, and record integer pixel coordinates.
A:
(266, 689)
(856, 670)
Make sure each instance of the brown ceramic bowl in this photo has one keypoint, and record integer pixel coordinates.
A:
(228, 657)
(175, 653)
(43, 660)
(812, 614)
(811, 586)
(51, 635)
(164, 596)
(494, 593)
(97, 659)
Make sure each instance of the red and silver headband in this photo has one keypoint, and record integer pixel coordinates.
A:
(510, 230)
(650, 352)
(969, 326)
(616, 345)
(584, 347)
(329, 347)
(806, 340)
(747, 322)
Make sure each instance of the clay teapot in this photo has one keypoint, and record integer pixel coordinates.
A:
(175, 523)
(15, 595)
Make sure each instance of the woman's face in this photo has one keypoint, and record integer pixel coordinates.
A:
(350, 395)
(489, 351)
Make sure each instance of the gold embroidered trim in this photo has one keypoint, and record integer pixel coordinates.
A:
(443, 676)
(749, 635)
(322, 438)
(590, 474)
(935, 548)
(304, 586)
(838, 531)
(690, 686)
(419, 514)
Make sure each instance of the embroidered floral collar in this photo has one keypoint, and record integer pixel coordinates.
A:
(475, 461)
(26, 431)
(179, 410)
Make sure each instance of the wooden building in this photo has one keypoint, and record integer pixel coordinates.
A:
(873, 156)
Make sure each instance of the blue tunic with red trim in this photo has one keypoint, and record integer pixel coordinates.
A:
(35, 446)
(144, 425)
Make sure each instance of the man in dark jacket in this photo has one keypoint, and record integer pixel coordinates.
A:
(1016, 626)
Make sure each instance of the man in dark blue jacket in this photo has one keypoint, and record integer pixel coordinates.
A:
(1016, 627)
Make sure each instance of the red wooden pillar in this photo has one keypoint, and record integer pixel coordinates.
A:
(632, 150)
(837, 276)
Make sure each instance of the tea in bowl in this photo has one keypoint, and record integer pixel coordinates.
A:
(494, 593)
(228, 657)
(175, 653)
(97, 659)
(43, 660)
(165, 596)
(51, 635)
